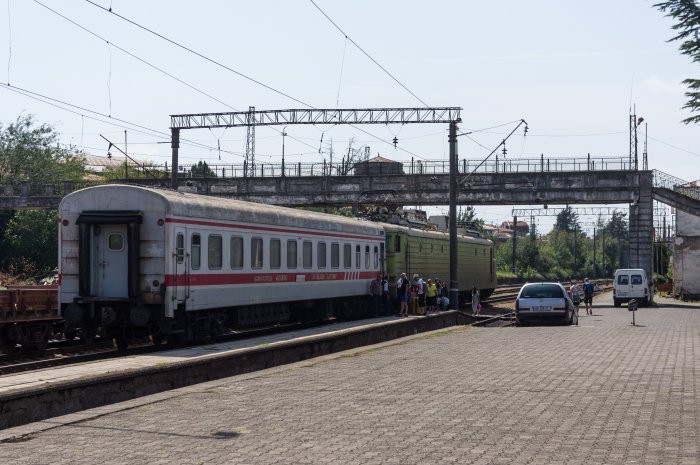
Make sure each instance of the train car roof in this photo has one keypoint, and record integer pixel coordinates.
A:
(188, 205)
(395, 228)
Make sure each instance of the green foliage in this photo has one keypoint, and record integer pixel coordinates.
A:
(29, 153)
(201, 169)
(567, 220)
(467, 217)
(30, 243)
(687, 27)
(568, 253)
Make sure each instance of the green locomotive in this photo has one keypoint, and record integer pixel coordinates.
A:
(427, 253)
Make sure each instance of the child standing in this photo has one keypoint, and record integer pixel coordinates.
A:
(413, 298)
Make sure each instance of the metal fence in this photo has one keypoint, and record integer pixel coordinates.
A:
(666, 181)
(417, 166)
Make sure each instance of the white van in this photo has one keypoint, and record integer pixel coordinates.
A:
(631, 284)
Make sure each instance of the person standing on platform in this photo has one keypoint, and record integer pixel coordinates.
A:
(430, 296)
(588, 296)
(385, 295)
(575, 293)
(402, 285)
(375, 292)
(420, 288)
(476, 301)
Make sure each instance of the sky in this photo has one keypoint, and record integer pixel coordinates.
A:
(574, 71)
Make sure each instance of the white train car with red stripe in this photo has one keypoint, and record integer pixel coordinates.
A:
(137, 261)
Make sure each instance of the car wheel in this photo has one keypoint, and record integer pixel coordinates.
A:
(617, 303)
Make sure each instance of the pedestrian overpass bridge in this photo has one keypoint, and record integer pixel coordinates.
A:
(549, 182)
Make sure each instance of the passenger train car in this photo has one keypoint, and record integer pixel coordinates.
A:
(137, 261)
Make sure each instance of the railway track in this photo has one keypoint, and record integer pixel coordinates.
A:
(18, 362)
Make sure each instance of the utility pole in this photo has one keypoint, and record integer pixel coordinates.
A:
(283, 136)
(515, 235)
(175, 146)
(250, 143)
(595, 264)
(454, 283)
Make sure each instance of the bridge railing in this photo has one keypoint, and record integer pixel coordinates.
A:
(665, 180)
(497, 164)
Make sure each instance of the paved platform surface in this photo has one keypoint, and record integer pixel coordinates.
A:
(604, 392)
(41, 378)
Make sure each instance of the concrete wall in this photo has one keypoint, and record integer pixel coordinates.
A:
(686, 255)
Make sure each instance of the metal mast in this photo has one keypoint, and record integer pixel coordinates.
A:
(249, 164)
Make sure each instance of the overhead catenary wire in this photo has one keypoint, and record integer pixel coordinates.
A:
(368, 55)
(238, 73)
(147, 63)
(139, 128)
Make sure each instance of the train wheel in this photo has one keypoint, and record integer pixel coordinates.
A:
(121, 342)
(6, 345)
(157, 338)
(70, 335)
(176, 340)
(88, 334)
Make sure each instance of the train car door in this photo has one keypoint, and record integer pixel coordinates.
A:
(111, 264)
(180, 258)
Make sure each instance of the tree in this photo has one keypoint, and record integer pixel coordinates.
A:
(201, 169)
(30, 243)
(467, 217)
(567, 220)
(30, 153)
(687, 15)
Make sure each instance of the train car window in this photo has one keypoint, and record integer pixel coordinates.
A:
(376, 256)
(196, 246)
(307, 251)
(442, 249)
(291, 253)
(397, 243)
(357, 256)
(431, 248)
(335, 255)
(275, 253)
(347, 255)
(214, 251)
(256, 253)
(420, 247)
(180, 247)
(236, 252)
(321, 254)
(115, 242)
(367, 257)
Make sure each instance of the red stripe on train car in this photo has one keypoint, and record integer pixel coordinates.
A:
(273, 229)
(262, 278)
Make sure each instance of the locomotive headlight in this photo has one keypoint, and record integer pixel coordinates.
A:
(65, 222)
(161, 222)
(155, 283)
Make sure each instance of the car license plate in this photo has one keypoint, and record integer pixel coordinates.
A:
(542, 309)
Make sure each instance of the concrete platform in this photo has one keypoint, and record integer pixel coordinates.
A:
(603, 392)
(41, 394)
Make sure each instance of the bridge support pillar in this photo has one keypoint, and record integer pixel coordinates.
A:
(641, 226)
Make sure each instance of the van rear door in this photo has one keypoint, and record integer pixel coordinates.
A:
(622, 285)
(637, 286)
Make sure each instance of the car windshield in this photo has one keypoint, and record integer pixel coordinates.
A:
(542, 291)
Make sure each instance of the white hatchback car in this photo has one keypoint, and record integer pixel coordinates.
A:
(544, 303)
